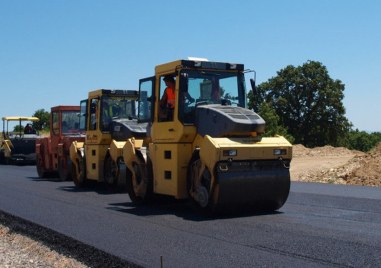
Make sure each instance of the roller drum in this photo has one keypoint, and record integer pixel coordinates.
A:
(258, 185)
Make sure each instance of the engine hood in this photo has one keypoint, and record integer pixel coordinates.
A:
(123, 129)
(218, 120)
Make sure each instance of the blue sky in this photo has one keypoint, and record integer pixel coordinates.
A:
(53, 52)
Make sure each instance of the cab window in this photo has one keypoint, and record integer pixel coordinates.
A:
(55, 123)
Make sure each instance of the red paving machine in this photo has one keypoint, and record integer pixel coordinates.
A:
(52, 152)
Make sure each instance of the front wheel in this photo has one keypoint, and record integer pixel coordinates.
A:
(40, 167)
(139, 187)
(79, 172)
(199, 185)
(64, 168)
(111, 171)
(2, 157)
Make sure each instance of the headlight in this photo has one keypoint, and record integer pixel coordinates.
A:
(280, 151)
(229, 153)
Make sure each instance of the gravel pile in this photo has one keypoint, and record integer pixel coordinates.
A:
(23, 244)
(20, 251)
(361, 168)
(298, 150)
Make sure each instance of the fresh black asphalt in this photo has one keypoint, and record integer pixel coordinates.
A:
(320, 225)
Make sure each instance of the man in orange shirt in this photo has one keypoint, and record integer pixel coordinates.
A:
(167, 101)
(168, 98)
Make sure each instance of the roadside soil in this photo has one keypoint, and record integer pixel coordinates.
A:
(17, 250)
(25, 244)
(336, 165)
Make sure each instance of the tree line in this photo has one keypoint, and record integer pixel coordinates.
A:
(305, 104)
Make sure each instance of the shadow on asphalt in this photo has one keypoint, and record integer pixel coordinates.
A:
(92, 186)
(184, 209)
(19, 164)
(52, 178)
(160, 205)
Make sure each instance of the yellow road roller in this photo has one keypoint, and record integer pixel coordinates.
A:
(201, 141)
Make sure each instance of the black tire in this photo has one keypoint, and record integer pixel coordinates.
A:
(79, 176)
(208, 205)
(40, 167)
(64, 168)
(140, 188)
(2, 157)
(195, 157)
(121, 183)
(110, 171)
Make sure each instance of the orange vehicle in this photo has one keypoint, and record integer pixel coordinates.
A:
(52, 152)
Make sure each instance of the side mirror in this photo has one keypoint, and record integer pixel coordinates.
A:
(253, 86)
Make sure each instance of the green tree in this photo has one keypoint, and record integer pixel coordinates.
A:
(273, 127)
(308, 102)
(18, 129)
(363, 141)
(44, 117)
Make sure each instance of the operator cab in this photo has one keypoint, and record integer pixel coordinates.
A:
(220, 87)
(197, 83)
(210, 98)
(112, 112)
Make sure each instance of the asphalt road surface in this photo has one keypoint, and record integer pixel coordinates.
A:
(320, 225)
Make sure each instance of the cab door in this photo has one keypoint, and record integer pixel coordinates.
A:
(146, 104)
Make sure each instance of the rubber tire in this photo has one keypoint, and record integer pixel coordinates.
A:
(2, 157)
(109, 171)
(79, 179)
(40, 168)
(64, 174)
(210, 208)
(131, 192)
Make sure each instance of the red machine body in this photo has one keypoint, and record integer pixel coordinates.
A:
(52, 152)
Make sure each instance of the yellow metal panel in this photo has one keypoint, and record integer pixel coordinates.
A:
(166, 68)
(7, 147)
(95, 93)
(173, 131)
(74, 147)
(247, 149)
(170, 163)
(163, 131)
(116, 149)
(95, 155)
(209, 152)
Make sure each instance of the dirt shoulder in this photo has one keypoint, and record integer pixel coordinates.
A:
(25, 244)
(336, 165)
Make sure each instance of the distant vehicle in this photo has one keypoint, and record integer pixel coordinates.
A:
(106, 116)
(52, 152)
(18, 147)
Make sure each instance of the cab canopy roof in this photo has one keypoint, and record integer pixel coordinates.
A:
(20, 118)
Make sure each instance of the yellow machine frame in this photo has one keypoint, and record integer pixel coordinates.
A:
(172, 145)
(89, 157)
